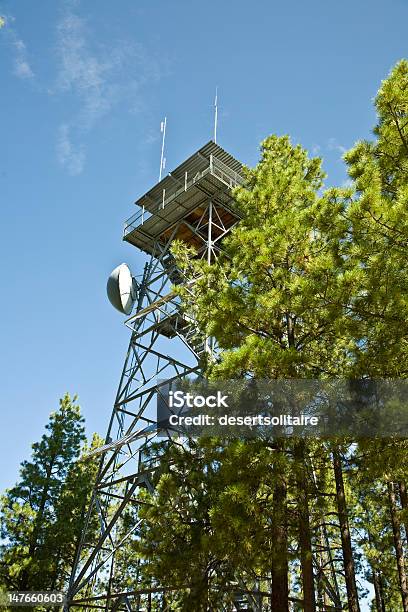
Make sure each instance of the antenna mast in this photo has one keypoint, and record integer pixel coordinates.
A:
(162, 158)
(216, 115)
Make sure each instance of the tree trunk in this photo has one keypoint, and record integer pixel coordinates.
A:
(379, 599)
(305, 538)
(352, 595)
(377, 577)
(398, 545)
(404, 506)
(279, 571)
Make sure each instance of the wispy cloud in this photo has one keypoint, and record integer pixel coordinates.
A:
(21, 65)
(81, 72)
(334, 145)
(97, 78)
(69, 155)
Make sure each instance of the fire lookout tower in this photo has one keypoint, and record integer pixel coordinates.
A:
(193, 204)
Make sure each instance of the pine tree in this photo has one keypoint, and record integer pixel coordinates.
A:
(70, 513)
(379, 220)
(39, 524)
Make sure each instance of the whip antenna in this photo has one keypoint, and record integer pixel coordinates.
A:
(162, 158)
(215, 114)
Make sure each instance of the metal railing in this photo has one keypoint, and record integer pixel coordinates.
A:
(215, 167)
(225, 173)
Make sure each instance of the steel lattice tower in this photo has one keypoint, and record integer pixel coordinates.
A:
(193, 204)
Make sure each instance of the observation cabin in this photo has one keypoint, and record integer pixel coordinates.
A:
(188, 204)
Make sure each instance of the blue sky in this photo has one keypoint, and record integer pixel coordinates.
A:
(84, 86)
